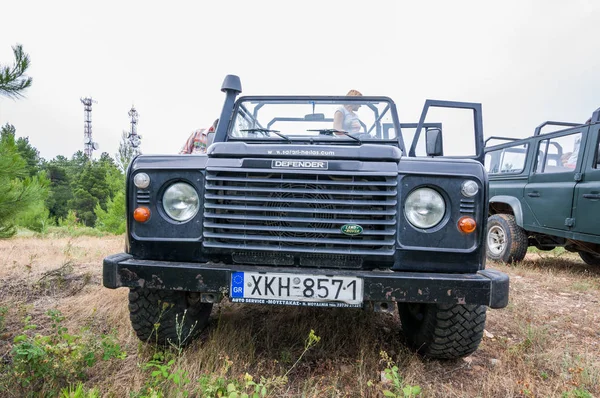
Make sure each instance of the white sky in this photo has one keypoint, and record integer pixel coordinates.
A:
(525, 61)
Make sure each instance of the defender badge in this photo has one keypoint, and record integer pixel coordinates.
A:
(351, 229)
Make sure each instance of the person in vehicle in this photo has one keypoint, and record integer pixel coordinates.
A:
(197, 141)
(572, 160)
(345, 118)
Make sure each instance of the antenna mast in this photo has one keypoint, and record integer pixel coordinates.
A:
(88, 144)
(135, 140)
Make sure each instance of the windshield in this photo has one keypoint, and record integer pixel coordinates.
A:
(351, 119)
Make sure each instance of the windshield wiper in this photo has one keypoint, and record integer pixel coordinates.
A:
(331, 131)
(266, 132)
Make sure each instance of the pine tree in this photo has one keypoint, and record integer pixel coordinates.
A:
(19, 193)
(126, 152)
(12, 79)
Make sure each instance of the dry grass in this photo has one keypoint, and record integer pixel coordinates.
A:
(544, 344)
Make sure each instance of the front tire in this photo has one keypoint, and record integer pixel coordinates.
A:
(505, 240)
(167, 317)
(590, 258)
(442, 331)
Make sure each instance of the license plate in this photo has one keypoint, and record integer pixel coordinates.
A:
(294, 289)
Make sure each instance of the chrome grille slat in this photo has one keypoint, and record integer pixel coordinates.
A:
(295, 200)
(301, 249)
(277, 181)
(283, 210)
(333, 231)
(300, 210)
(298, 219)
(210, 187)
(251, 170)
(315, 241)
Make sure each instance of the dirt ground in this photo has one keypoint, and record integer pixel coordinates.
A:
(546, 343)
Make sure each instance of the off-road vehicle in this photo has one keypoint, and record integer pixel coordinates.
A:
(283, 209)
(545, 192)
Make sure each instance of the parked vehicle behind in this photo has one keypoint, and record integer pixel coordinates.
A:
(545, 192)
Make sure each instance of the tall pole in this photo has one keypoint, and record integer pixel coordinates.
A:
(134, 137)
(88, 143)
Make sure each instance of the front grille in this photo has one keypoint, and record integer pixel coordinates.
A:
(467, 206)
(266, 210)
(143, 197)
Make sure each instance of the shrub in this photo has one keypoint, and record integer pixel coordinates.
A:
(47, 363)
(37, 218)
(112, 220)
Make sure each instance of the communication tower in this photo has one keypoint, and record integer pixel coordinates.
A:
(135, 140)
(88, 143)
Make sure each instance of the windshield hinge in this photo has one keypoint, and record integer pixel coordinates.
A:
(569, 222)
(578, 177)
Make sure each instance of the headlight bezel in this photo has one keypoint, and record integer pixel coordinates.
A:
(441, 221)
(162, 205)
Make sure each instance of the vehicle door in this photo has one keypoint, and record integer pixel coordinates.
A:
(505, 165)
(587, 192)
(549, 192)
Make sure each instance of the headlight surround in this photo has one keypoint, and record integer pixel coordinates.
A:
(181, 202)
(424, 208)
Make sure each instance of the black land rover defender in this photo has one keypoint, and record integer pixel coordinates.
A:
(285, 209)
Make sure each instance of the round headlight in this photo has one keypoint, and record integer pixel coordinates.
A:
(181, 202)
(469, 188)
(424, 208)
(141, 180)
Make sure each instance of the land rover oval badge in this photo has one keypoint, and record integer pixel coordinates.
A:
(351, 229)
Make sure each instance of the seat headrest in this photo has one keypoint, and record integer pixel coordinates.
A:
(210, 137)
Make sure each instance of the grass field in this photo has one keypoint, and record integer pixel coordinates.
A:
(546, 343)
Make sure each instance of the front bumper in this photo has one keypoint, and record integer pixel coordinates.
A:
(486, 287)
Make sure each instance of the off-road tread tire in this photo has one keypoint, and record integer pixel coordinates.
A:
(164, 308)
(517, 242)
(589, 258)
(446, 331)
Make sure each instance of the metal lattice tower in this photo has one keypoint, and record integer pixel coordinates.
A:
(135, 140)
(88, 143)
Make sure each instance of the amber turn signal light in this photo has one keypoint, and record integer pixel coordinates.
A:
(141, 214)
(467, 225)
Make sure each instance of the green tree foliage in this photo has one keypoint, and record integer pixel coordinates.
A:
(12, 78)
(83, 204)
(98, 182)
(112, 220)
(19, 193)
(30, 155)
(35, 193)
(60, 187)
(114, 177)
(126, 153)
(37, 218)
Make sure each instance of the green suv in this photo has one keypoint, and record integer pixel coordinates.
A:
(545, 192)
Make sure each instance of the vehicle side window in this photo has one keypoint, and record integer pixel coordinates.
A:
(597, 164)
(558, 154)
(506, 160)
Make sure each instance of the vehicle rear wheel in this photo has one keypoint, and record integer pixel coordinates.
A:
(167, 317)
(506, 241)
(442, 331)
(590, 258)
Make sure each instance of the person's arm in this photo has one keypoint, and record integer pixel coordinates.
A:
(188, 146)
(338, 120)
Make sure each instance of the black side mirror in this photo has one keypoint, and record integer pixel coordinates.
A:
(434, 143)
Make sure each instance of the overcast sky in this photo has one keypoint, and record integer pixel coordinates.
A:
(525, 61)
